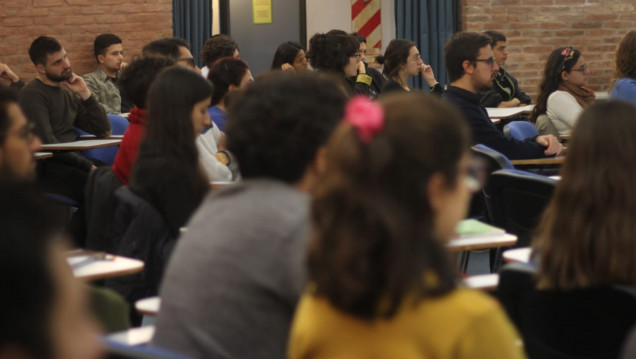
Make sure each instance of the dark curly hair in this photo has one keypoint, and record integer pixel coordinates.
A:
(331, 51)
(463, 46)
(373, 225)
(216, 47)
(278, 124)
(135, 80)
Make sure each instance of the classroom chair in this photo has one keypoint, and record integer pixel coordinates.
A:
(558, 324)
(520, 130)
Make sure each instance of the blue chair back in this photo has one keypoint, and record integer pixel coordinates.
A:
(119, 125)
(520, 130)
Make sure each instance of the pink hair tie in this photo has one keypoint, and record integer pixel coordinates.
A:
(366, 116)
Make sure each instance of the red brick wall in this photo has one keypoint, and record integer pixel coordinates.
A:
(536, 27)
(76, 23)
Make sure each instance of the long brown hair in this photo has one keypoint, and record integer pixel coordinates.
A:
(587, 236)
(625, 66)
(373, 223)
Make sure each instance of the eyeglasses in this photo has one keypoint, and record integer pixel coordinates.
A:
(490, 61)
(188, 60)
(581, 69)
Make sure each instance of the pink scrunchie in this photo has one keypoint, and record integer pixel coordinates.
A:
(366, 116)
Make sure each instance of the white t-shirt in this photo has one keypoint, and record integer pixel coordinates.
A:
(563, 111)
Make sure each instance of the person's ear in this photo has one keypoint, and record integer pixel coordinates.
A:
(232, 87)
(468, 67)
(436, 191)
(564, 75)
(40, 69)
(100, 59)
(320, 161)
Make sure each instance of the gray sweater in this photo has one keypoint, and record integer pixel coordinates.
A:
(236, 275)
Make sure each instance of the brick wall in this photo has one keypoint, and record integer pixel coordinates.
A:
(76, 23)
(536, 27)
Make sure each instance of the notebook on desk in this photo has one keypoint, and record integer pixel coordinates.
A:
(474, 228)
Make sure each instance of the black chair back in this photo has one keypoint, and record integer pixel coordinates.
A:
(491, 161)
(555, 324)
(515, 201)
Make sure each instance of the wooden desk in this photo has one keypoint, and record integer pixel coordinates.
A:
(89, 266)
(482, 242)
(220, 184)
(80, 145)
(518, 255)
(92, 137)
(487, 282)
(508, 112)
(148, 306)
(42, 155)
(539, 161)
(133, 336)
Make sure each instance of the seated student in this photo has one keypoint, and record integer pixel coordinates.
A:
(382, 284)
(596, 198)
(505, 91)
(18, 143)
(402, 61)
(57, 101)
(227, 75)
(563, 94)
(167, 182)
(378, 79)
(290, 56)
(338, 53)
(216, 47)
(623, 84)
(173, 48)
(44, 309)
(109, 54)
(236, 275)
(8, 75)
(471, 68)
(135, 82)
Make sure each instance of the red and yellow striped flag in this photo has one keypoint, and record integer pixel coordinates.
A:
(366, 19)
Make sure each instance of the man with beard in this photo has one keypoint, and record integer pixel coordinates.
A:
(56, 101)
(109, 54)
(471, 68)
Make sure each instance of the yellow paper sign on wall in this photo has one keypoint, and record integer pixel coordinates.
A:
(262, 11)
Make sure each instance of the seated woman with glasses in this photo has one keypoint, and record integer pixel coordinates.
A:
(338, 53)
(563, 94)
(381, 282)
(402, 61)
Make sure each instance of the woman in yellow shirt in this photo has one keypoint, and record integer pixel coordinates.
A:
(382, 284)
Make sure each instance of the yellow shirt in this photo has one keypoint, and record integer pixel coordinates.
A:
(461, 324)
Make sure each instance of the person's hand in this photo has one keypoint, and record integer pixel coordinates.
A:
(221, 145)
(361, 68)
(428, 75)
(287, 67)
(553, 147)
(77, 85)
(7, 74)
(123, 65)
(93, 168)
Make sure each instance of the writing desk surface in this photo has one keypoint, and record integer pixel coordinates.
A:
(539, 161)
(482, 281)
(517, 255)
(89, 266)
(508, 112)
(482, 242)
(148, 306)
(81, 145)
(42, 155)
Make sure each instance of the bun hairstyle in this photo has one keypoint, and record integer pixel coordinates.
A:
(374, 239)
(331, 51)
